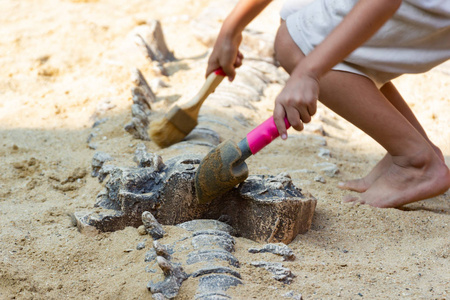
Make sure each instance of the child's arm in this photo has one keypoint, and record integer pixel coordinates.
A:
(298, 99)
(226, 53)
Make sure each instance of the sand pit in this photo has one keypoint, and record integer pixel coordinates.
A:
(68, 65)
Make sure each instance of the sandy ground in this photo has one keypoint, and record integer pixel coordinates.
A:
(66, 64)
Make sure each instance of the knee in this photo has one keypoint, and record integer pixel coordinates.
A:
(287, 53)
(279, 45)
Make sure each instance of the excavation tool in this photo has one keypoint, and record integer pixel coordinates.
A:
(180, 120)
(224, 167)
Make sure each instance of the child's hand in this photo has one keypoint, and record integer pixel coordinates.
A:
(226, 49)
(297, 101)
(226, 55)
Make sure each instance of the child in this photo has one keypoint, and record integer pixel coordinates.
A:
(345, 53)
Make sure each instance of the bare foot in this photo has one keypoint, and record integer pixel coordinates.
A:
(405, 183)
(361, 185)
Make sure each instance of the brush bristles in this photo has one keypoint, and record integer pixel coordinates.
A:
(164, 133)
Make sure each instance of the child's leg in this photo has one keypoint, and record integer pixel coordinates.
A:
(416, 171)
(391, 93)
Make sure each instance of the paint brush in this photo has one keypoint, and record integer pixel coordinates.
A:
(174, 126)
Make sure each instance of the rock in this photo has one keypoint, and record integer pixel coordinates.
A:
(329, 169)
(292, 295)
(158, 296)
(98, 160)
(280, 249)
(315, 128)
(324, 153)
(174, 277)
(139, 81)
(141, 230)
(138, 127)
(103, 106)
(276, 220)
(161, 250)
(320, 179)
(152, 226)
(104, 171)
(90, 223)
(150, 255)
(147, 160)
(279, 272)
(150, 39)
(139, 98)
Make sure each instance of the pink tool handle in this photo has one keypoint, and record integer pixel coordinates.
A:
(264, 134)
(220, 72)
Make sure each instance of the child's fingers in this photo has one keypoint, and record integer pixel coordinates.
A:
(311, 105)
(312, 108)
(304, 115)
(278, 116)
(230, 64)
(239, 59)
(229, 68)
(294, 118)
(238, 62)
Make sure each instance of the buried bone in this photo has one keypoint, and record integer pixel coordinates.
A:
(161, 250)
(279, 272)
(151, 39)
(174, 277)
(212, 269)
(98, 160)
(152, 226)
(281, 250)
(262, 208)
(210, 266)
(138, 79)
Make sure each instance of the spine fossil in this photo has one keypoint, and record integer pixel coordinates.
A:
(204, 254)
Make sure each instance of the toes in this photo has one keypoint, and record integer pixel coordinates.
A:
(343, 185)
(353, 185)
(350, 198)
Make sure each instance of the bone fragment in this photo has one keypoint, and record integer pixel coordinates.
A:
(138, 80)
(279, 249)
(147, 160)
(161, 250)
(98, 160)
(279, 272)
(262, 208)
(174, 277)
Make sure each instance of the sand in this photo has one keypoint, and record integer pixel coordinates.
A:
(66, 64)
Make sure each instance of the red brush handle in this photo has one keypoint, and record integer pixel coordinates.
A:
(220, 72)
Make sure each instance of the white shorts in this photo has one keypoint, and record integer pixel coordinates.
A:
(414, 40)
